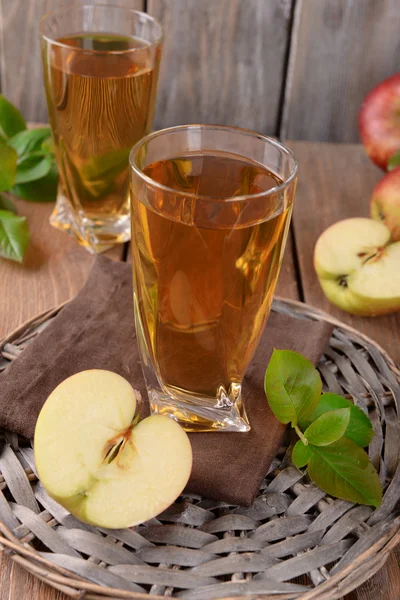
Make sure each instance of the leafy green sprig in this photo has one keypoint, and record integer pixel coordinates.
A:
(27, 170)
(332, 431)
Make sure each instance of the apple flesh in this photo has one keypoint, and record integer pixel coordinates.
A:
(94, 459)
(358, 268)
(385, 203)
(379, 121)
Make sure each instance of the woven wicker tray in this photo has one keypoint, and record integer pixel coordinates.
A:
(294, 542)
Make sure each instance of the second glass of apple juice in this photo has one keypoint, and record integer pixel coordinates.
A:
(210, 209)
(100, 66)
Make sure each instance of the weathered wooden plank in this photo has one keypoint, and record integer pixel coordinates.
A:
(54, 269)
(385, 584)
(223, 61)
(20, 60)
(335, 183)
(20, 584)
(287, 282)
(339, 51)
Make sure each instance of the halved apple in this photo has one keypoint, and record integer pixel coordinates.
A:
(358, 268)
(99, 463)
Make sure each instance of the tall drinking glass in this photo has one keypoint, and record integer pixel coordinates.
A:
(211, 209)
(100, 71)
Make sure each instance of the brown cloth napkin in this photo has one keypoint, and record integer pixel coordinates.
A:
(96, 331)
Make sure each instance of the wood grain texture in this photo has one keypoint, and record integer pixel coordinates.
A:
(54, 269)
(5, 576)
(287, 284)
(335, 183)
(223, 61)
(23, 586)
(20, 59)
(340, 50)
(385, 585)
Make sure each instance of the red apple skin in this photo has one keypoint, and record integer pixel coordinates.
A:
(385, 202)
(379, 121)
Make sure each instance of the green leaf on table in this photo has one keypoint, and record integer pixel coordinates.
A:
(7, 204)
(328, 428)
(42, 190)
(394, 161)
(344, 470)
(359, 428)
(14, 236)
(30, 140)
(292, 385)
(33, 168)
(11, 120)
(8, 167)
(301, 454)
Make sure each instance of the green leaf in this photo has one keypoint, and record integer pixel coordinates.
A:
(42, 190)
(328, 428)
(33, 168)
(30, 140)
(394, 161)
(11, 120)
(99, 173)
(7, 204)
(48, 145)
(14, 236)
(301, 454)
(359, 428)
(293, 386)
(344, 470)
(8, 167)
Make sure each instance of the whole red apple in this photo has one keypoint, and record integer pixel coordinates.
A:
(379, 121)
(385, 202)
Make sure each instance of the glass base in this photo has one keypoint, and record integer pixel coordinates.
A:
(96, 235)
(195, 413)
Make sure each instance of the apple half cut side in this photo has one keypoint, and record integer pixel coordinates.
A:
(96, 461)
(385, 202)
(358, 268)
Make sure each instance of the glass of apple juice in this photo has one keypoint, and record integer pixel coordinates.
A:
(100, 66)
(210, 214)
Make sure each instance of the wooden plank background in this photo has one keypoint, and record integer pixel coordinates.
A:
(223, 61)
(340, 50)
(294, 68)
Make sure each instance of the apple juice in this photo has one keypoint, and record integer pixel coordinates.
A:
(205, 276)
(100, 103)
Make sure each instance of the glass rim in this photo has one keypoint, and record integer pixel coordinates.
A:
(60, 11)
(248, 132)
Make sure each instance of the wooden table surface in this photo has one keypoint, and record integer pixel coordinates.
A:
(335, 182)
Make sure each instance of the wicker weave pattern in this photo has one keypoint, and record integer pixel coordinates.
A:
(200, 549)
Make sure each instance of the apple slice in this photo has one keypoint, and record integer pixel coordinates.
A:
(358, 268)
(379, 121)
(96, 461)
(385, 202)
